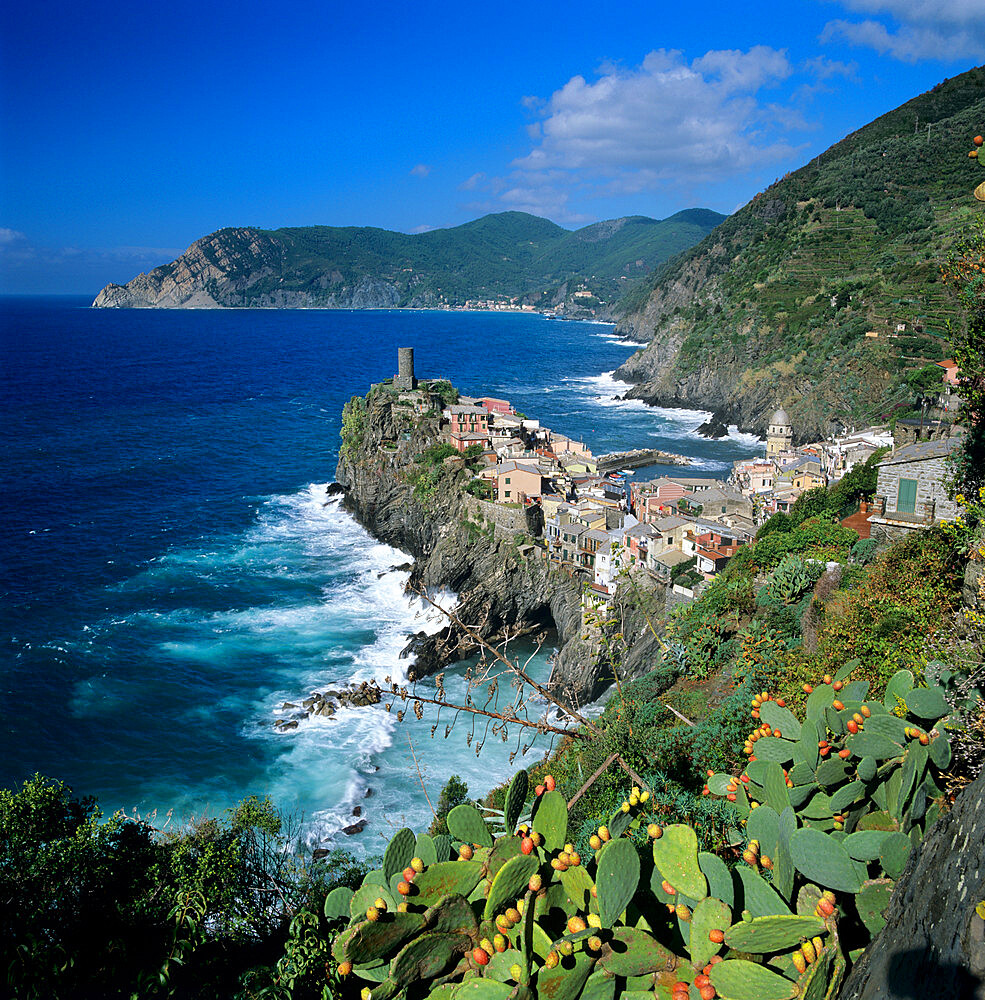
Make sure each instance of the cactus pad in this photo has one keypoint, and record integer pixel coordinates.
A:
(617, 878)
(516, 796)
(564, 981)
(379, 938)
(551, 819)
(780, 718)
(452, 914)
(427, 956)
(895, 851)
(820, 858)
(871, 744)
(578, 885)
(510, 882)
(871, 904)
(899, 686)
(709, 915)
(676, 856)
(426, 851)
(775, 749)
(467, 825)
(864, 845)
(758, 897)
(337, 903)
(632, 952)
(445, 878)
(398, 853)
(481, 989)
(927, 703)
(769, 934)
(764, 825)
(736, 979)
(718, 875)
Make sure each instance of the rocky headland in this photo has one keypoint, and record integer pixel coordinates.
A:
(503, 588)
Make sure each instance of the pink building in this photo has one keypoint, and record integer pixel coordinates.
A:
(494, 405)
(468, 419)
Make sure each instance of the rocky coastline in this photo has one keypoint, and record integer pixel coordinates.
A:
(501, 591)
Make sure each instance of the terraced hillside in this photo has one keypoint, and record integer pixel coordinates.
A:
(822, 294)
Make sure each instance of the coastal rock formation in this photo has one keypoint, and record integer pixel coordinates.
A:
(934, 940)
(500, 590)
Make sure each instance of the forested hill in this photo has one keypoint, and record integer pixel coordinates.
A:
(510, 256)
(773, 307)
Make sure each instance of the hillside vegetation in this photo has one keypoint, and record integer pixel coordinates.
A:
(510, 256)
(773, 306)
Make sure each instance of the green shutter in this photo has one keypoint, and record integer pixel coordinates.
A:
(906, 502)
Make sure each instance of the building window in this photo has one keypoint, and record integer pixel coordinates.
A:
(906, 502)
(507, 480)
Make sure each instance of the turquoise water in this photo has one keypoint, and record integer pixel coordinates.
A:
(172, 571)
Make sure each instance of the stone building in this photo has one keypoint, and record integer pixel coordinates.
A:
(779, 435)
(911, 493)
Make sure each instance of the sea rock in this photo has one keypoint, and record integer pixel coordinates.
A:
(285, 726)
(357, 811)
(355, 828)
(319, 853)
(334, 490)
(715, 426)
(287, 706)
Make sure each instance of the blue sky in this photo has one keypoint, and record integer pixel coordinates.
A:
(127, 131)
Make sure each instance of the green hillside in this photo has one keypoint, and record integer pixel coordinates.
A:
(501, 258)
(774, 306)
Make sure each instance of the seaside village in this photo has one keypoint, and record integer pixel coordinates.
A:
(589, 517)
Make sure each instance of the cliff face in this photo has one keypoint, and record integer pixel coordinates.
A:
(241, 268)
(500, 591)
(823, 293)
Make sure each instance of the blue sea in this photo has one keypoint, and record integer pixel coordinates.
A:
(171, 572)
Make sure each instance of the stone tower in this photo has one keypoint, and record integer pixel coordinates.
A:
(779, 436)
(404, 379)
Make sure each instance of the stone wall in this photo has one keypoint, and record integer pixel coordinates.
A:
(933, 944)
(508, 522)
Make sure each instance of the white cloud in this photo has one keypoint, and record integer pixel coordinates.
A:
(10, 236)
(667, 123)
(421, 170)
(917, 29)
(425, 228)
(473, 182)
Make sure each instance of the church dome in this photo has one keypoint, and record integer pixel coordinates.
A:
(780, 418)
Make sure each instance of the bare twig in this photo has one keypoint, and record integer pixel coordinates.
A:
(683, 718)
(591, 781)
(420, 777)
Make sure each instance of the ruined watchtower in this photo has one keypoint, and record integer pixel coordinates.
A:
(404, 379)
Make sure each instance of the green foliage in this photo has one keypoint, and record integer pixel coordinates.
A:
(444, 388)
(353, 426)
(435, 454)
(453, 793)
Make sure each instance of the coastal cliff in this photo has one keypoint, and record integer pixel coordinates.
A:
(503, 588)
(822, 294)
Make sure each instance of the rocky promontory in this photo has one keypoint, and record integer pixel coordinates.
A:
(503, 588)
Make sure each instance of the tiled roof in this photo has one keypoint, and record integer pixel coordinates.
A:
(921, 451)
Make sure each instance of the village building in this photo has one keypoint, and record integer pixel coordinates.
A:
(462, 441)
(517, 482)
(494, 405)
(467, 419)
(910, 493)
(713, 549)
(803, 474)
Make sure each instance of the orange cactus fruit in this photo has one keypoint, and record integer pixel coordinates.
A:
(866, 711)
(706, 790)
(707, 992)
(977, 140)
(799, 962)
(844, 754)
(716, 936)
(527, 846)
(755, 713)
(416, 865)
(808, 689)
(924, 739)
(345, 968)
(826, 679)
(403, 888)
(539, 790)
(851, 726)
(701, 980)
(731, 797)
(549, 783)
(668, 888)
(826, 907)
(824, 751)
(781, 703)
(465, 852)
(776, 732)
(837, 685)
(480, 956)
(838, 705)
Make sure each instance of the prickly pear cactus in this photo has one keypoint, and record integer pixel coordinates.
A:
(831, 803)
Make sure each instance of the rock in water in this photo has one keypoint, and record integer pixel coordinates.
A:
(716, 426)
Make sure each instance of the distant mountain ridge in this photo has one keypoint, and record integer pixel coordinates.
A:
(823, 293)
(500, 258)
